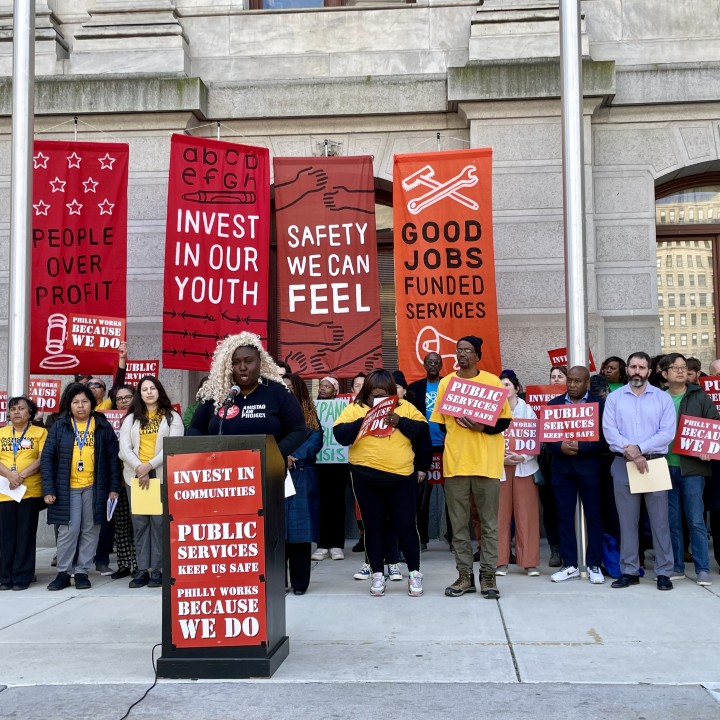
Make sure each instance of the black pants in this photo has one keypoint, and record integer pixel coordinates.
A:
(393, 499)
(298, 560)
(715, 530)
(333, 483)
(18, 533)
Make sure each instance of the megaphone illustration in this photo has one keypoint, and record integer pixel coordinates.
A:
(431, 340)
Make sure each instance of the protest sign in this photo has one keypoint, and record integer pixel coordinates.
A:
(328, 412)
(374, 423)
(91, 332)
(559, 357)
(522, 437)
(572, 421)
(45, 392)
(465, 398)
(697, 436)
(538, 395)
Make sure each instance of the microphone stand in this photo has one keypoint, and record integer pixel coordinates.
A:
(223, 412)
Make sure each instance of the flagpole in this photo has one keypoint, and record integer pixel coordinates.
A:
(23, 112)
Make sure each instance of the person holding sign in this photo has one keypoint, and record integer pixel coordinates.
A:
(21, 444)
(688, 473)
(575, 467)
(639, 423)
(80, 473)
(473, 465)
(518, 495)
(143, 431)
(382, 468)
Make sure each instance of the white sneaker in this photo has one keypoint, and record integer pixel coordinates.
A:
(501, 570)
(566, 572)
(364, 573)
(394, 572)
(531, 571)
(415, 588)
(377, 589)
(337, 554)
(320, 554)
(595, 576)
(703, 578)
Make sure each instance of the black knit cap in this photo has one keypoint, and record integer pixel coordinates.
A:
(475, 341)
(399, 378)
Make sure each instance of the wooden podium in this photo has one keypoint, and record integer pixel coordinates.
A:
(223, 596)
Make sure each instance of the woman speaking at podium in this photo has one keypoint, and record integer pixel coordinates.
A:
(245, 395)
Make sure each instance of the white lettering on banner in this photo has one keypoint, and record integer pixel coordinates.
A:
(215, 224)
(326, 234)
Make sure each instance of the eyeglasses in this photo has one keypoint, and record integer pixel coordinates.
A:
(678, 368)
(123, 398)
(95, 385)
(465, 351)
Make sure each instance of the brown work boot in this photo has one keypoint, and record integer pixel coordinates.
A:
(488, 587)
(464, 584)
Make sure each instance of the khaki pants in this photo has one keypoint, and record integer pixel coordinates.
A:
(486, 492)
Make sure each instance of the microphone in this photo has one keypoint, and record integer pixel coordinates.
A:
(234, 390)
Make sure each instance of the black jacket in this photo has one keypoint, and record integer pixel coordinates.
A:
(56, 461)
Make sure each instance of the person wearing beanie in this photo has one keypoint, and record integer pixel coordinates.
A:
(473, 465)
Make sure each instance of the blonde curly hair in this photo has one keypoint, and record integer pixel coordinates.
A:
(220, 379)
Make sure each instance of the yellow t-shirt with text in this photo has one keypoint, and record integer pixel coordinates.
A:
(148, 437)
(85, 477)
(27, 453)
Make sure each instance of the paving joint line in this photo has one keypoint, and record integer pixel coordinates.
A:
(35, 614)
(509, 643)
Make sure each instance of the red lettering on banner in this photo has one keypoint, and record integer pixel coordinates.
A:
(522, 436)
(464, 398)
(444, 256)
(697, 436)
(79, 249)
(536, 396)
(574, 421)
(216, 248)
(559, 357)
(327, 265)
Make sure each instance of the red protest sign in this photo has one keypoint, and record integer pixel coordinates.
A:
(45, 392)
(137, 369)
(374, 422)
(573, 421)
(214, 484)
(329, 298)
(711, 385)
(115, 418)
(559, 356)
(464, 398)
(435, 473)
(538, 395)
(3, 407)
(79, 248)
(92, 332)
(522, 437)
(216, 248)
(697, 436)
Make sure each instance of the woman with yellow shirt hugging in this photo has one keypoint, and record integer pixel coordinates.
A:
(21, 443)
(150, 420)
(383, 476)
(80, 473)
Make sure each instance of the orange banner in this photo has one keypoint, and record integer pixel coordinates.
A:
(444, 257)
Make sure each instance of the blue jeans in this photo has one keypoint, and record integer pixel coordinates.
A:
(687, 493)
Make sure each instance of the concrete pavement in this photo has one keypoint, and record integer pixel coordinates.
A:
(638, 650)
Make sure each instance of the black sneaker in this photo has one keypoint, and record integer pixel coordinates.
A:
(120, 573)
(359, 546)
(464, 584)
(155, 579)
(488, 587)
(141, 579)
(82, 581)
(61, 581)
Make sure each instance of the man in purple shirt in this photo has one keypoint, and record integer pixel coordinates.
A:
(639, 424)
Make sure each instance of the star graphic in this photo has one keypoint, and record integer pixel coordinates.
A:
(40, 161)
(58, 185)
(74, 160)
(106, 207)
(41, 208)
(106, 163)
(74, 207)
(90, 185)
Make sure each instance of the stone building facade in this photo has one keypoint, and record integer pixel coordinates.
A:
(381, 78)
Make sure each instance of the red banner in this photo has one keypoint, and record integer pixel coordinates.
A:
(137, 369)
(3, 407)
(573, 421)
(79, 249)
(711, 385)
(697, 436)
(536, 396)
(46, 393)
(444, 257)
(476, 401)
(216, 248)
(522, 436)
(559, 357)
(327, 265)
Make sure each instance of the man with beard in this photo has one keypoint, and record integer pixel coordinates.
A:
(473, 464)
(639, 424)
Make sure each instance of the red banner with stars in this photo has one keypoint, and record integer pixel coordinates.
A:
(217, 247)
(79, 249)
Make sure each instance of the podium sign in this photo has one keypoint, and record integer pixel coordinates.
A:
(223, 558)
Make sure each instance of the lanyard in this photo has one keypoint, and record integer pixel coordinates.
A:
(81, 441)
(17, 444)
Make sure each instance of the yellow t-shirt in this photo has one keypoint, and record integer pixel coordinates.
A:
(468, 452)
(105, 404)
(27, 453)
(392, 454)
(148, 437)
(85, 477)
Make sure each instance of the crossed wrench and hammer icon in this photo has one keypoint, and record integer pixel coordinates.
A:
(426, 176)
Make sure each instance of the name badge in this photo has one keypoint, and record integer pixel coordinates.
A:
(80, 465)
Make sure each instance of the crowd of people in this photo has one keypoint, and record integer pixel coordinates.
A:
(74, 465)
